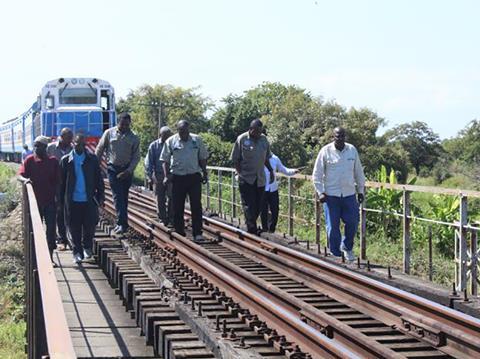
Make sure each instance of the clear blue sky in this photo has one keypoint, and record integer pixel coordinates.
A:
(407, 60)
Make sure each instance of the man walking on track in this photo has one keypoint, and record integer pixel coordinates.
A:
(123, 154)
(271, 198)
(44, 174)
(250, 153)
(337, 177)
(184, 159)
(154, 171)
(81, 192)
(59, 149)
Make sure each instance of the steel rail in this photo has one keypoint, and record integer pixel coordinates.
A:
(387, 303)
(57, 331)
(458, 334)
(283, 319)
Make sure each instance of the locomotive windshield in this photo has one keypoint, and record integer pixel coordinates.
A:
(78, 96)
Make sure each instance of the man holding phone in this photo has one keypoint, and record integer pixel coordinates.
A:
(123, 154)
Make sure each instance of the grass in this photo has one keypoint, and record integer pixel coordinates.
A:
(12, 324)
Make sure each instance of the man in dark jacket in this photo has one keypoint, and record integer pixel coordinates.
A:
(82, 191)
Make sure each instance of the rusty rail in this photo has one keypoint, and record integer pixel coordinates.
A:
(47, 334)
(447, 330)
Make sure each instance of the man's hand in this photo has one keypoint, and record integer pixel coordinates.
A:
(360, 197)
(123, 175)
(205, 178)
(153, 179)
(167, 179)
(272, 176)
(322, 198)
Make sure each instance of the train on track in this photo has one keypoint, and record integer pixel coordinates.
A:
(83, 104)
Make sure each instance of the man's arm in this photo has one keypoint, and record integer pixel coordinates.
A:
(235, 156)
(24, 173)
(202, 159)
(63, 181)
(102, 144)
(285, 170)
(318, 174)
(135, 157)
(165, 157)
(359, 177)
(149, 161)
(99, 184)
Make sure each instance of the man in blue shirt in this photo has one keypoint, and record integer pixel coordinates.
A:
(82, 191)
(26, 152)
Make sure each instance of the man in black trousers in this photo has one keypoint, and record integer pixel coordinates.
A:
(251, 152)
(184, 159)
(81, 192)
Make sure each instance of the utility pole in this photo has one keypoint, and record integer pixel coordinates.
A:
(160, 106)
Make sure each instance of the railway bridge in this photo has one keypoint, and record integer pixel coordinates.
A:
(156, 294)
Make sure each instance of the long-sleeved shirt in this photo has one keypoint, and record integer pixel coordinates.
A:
(123, 149)
(251, 153)
(79, 191)
(277, 166)
(54, 149)
(338, 173)
(153, 163)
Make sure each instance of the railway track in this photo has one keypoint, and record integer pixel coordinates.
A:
(322, 309)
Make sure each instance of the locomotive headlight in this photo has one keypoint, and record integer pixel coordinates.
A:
(74, 81)
(81, 81)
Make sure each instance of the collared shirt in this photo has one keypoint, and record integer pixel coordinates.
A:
(184, 156)
(45, 177)
(79, 192)
(277, 166)
(123, 149)
(153, 163)
(25, 154)
(251, 154)
(54, 149)
(338, 173)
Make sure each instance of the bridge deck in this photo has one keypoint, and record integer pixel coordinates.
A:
(99, 325)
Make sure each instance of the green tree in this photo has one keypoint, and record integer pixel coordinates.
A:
(218, 150)
(419, 141)
(178, 103)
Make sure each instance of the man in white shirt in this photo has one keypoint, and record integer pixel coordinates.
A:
(338, 176)
(270, 197)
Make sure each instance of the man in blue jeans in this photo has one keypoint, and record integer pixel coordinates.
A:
(338, 176)
(123, 154)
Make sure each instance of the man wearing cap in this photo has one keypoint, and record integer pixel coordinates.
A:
(58, 149)
(250, 153)
(155, 174)
(43, 172)
(123, 154)
(184, 159)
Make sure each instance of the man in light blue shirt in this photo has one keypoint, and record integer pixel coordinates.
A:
(26, 152)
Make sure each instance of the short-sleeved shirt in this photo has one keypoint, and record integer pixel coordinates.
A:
(252, 154)
(45, 176)
(123, 149)
(55, 150)
(184, 156)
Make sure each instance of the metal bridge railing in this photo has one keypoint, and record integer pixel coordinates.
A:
(301, 218)
(47, 334)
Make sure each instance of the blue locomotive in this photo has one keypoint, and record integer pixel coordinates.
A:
(82, 104)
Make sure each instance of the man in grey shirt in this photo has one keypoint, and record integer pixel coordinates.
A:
(63, 146)
(184, 159)
(251, 152)
(123, 154)
(154, 171)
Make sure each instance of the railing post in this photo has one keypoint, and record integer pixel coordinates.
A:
(462, 243)
(207, 188)
(473, 263)
(317, 221)
(406, 232)
(290, 207)
(219, 179)
(363, 231)
(234, 197)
